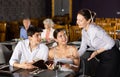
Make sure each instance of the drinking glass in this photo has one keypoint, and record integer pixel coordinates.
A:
(56, 68)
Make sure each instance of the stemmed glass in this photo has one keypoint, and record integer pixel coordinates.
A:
(56, 68)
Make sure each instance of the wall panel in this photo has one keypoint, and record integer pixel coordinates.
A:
(17, 9)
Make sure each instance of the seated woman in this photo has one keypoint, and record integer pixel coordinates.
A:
(47, 34)
(64, 54)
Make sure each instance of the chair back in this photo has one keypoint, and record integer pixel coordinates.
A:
(111, 30)
(7, 53)
(2, 31)
(34, 22)
(75, 33)
(63, 27)
(2, 59)
(57, 26)
(14, 29)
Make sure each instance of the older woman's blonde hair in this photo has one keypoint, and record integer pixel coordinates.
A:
(49, 21)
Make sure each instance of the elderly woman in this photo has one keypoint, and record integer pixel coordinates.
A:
(47, 34)
(66, 55)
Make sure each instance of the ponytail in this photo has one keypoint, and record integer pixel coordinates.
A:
(87, 14)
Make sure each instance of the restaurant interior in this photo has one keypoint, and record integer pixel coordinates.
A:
(63, 13)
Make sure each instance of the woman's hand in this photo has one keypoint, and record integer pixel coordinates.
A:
(96, 53)
(50, 66)
(93, 55)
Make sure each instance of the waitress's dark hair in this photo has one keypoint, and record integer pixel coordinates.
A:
(55, 33)
(87, 14)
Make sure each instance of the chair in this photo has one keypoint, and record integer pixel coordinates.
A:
(57, 26)
(63, 27)
(2, 59)
(2, 31)
(110, 28)
(117, 26)
(117, 30)
(13, 29)
(34, 22)
(6, 53)
(75, 33)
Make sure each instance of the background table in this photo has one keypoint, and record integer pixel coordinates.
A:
(9, 44)
(6, 49)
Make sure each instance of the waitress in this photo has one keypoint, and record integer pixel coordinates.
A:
(94, 36)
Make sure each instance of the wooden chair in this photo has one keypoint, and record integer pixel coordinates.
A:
(57, 26)
(75, 33)
(117, 26)
(2, 31)
(6, 53)
(34, 22)
(62, 26)
(117, 29)
(111, 26)
(111, 30)
(14, 29)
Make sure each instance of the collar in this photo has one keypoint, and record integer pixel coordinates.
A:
(28, 42)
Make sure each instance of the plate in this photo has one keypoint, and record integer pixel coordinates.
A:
(117, 30)
(76, 42)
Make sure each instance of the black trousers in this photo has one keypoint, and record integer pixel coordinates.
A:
(109, 65)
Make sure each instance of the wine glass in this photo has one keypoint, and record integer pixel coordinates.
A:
(56, 68)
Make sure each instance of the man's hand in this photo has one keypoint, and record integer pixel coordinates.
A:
(27, 66)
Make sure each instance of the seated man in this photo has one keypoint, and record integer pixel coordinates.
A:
(30, 50)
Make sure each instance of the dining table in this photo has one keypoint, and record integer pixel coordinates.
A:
(10, 71)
